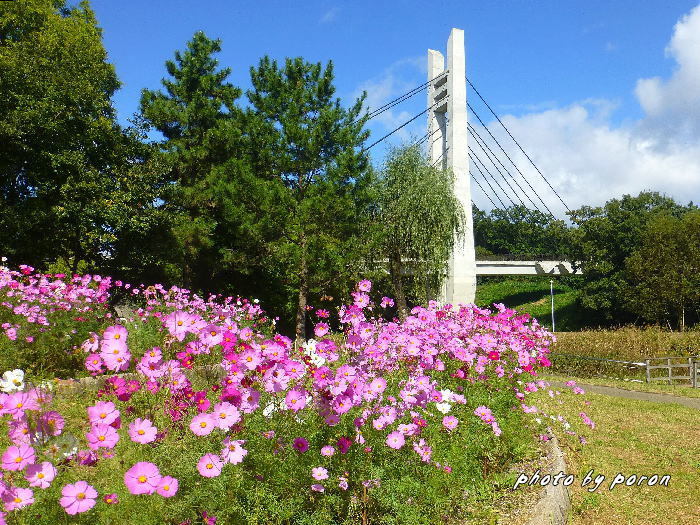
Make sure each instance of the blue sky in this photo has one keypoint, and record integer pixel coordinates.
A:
(562, 73)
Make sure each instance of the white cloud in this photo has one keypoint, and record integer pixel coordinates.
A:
(589, 160)
(398, 79)
(330, 15)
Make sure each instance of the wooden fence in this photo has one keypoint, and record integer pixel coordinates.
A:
(653, 369)
(669, 366)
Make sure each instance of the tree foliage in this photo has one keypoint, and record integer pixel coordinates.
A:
(307, 148)
(67, 183)
(415, 222)
(664, 270)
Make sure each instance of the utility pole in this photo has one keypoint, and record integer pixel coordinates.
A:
(447, 145)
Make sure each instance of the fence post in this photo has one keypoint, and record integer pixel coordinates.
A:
(694, 373)
(648, 371)
(670, 371)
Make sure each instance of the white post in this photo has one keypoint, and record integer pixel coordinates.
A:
(551, 293)
(460, 285)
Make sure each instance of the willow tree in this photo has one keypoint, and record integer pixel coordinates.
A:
(415, 222)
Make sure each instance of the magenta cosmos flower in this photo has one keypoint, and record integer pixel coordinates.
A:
(167, 487)
(295, 400)
(210, 465)
(301, 445)
(142, 478)
(78, 497)
(17, 457)
(203, 424)
(40, 475)
(395, 440)
(142, 431)
(103, 412)
(103, 436)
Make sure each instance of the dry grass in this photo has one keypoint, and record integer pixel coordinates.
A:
(629, 343)
(634, 437)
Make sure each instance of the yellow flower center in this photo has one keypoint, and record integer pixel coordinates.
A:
(166, 487)
(203, 424)
(17, 382)
(117, 336)
(20, 405)
(101, 438)
(222, 415)
(210, 466)
(40, 475)
(18, 460)
(103, 415)
(179, 323)
(80, 495)
(142, 479)
(18, 500)
(213, 333)
(141, 432)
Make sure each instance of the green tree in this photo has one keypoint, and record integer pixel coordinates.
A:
(203, 148)
(602, 241)
(664, 270)
(67, 184)
(305, 147)
(518, 230)
(416, 219)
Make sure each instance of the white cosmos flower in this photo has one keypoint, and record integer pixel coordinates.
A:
(443, 407)
(12, 381)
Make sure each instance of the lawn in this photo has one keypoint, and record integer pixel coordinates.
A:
(532, 295)
(634, 437)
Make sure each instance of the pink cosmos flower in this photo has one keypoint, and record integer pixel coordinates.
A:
(114, 335)
(103, 412)
(110, 499)
(40, 475)
(103, 436)
(301, 445)
(317, 487)
(321, 329)
(167, 487)
(142, 478)
(17, 457)
(226, 415)
(386, 301)
(51, 423)
(78, 497)
(210, 465)
(295, 400)
(16, 498)
(364, 285)
(93, 363)
(117, 362)
(395, 440)
(319, 473)
(203, 424)
(450, 422)
(233, 451)
(142, 431)
(327, 451)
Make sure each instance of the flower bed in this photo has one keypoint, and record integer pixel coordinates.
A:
(410, 422)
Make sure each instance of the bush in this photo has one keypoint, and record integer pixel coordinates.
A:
(219, 416)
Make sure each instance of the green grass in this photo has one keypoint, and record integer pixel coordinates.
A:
(655, 388)
(532, 295)
(633, 437)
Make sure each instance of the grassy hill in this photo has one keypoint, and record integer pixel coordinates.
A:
(531, 294)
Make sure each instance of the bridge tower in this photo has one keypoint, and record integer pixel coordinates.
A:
(447, 144)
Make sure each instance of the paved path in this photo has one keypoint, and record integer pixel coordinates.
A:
(633, 394)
